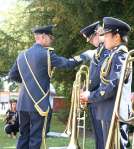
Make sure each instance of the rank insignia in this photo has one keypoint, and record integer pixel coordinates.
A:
(102, 93)
(77, 58)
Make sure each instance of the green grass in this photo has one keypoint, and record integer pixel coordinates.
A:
(57, 126)
(5, 142)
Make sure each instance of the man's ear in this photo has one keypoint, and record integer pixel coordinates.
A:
(117, 37)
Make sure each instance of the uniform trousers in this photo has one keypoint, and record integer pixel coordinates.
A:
(105, 129)
(31, 126)
(97, 127)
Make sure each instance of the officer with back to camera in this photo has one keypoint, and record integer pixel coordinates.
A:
(33, 69)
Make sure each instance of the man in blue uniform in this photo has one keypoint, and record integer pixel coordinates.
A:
(33, 69)
(115, 36)
(96, 57)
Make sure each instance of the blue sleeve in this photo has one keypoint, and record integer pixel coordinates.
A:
(62, 62)
(87, 55)
(106, 91)
(14, 74)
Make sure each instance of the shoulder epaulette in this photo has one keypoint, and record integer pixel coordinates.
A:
(123, 48)
(50, 48)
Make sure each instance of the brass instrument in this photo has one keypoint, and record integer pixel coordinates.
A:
(77, 112)
(114, 131)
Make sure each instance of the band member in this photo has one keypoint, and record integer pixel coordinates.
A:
(96, 57)
(115, 37)
(12, 121)
(33, 69)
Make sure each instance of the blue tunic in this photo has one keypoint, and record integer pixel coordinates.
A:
(38, 60)
(95, 67)
(104, 96)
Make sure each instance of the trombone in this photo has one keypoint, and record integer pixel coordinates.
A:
(77, 111)
(114, 132)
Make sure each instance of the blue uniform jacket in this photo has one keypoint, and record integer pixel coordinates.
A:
(104, 96)
(95, 67)
(38, 60)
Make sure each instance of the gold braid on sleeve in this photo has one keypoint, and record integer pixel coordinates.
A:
(50, 70)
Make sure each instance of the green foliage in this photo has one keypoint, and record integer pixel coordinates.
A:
(5, 141)
(70, 16)
(63, 82)
(13, 87)
(1, 85)
(13, 36)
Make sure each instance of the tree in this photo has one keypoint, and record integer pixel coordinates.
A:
(13, 37)
(1, 84)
